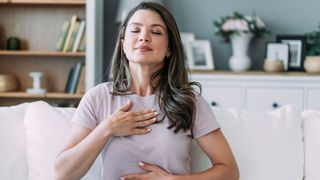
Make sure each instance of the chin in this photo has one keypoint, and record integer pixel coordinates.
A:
(146, 61)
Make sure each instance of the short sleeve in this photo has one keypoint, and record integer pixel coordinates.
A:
(85, 114)
(205, 121)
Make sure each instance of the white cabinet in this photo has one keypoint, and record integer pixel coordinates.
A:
(259, 91)
(222, 96)
(259, 99)
(313, 95)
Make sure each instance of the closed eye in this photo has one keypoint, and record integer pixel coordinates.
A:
(157, 33)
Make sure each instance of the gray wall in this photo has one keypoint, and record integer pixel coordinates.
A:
(197, 16)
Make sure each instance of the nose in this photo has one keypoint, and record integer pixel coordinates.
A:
(144, 38)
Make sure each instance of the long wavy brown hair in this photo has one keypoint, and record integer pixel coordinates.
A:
(176, 95)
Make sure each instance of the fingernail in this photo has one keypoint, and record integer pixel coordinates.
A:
(122, 178)
(154, 119)
(148, 130)
(153, 109)
(141, 163)
(155, 113)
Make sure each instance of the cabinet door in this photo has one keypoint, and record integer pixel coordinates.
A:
(313, 98)
(225, 97)
(261, 99)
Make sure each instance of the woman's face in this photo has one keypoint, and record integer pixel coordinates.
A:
(146, 39)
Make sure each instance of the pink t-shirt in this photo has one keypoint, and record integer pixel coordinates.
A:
(160, 147)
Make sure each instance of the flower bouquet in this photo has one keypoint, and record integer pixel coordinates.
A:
(240, 29)
(237, 24)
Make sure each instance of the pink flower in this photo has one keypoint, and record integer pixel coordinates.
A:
(241, 25)
(228, 25)
(235, 25)
(260, 24)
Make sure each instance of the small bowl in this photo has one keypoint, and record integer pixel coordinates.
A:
(273, 65)
(312, 64)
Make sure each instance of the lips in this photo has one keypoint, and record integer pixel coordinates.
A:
(144, 48)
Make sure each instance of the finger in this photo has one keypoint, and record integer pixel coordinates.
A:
(144, 112)
(147, 116)
(146, 123)
(126, 106)
(149, 167)
(139, 131)
(132, 177)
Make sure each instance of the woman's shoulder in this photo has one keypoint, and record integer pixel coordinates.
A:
(104, 86)
(100, 90)
(199, 99)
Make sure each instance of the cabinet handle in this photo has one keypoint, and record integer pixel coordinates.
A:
(213, 103)
(275, 105)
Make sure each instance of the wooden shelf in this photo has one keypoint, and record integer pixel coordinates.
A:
(254, 73)
(38, 19)
(42, 53)
(50, 95)
(45, 2)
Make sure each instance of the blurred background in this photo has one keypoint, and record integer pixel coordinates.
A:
(280, 17)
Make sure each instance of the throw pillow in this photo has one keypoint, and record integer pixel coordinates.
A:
(266, 145)
(13, 164)
(311, 126)
(46, 129)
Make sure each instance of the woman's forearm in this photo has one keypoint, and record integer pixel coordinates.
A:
(217, 172)
(76, 161)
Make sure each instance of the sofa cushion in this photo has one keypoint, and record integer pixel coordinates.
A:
(13, 160)
(311, 127)
(266, 145)
(46, 129)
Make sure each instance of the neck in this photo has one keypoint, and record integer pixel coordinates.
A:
(141, 76)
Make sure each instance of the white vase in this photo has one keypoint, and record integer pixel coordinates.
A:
(240, 61)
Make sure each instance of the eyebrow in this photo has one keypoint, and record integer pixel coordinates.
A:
(152, 25)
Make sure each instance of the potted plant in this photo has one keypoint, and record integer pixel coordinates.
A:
(312, 62)
(240, 29)
(313, 43)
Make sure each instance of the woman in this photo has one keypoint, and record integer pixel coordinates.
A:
(144, 120)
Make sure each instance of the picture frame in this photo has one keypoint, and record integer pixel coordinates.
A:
(278, 51)
(186, 38)
(199, 55)
(297, 50)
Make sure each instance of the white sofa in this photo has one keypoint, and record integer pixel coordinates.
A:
(283, 144)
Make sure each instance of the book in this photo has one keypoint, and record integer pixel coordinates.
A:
(67, 88)
(70, 31)
(79, 35)
(73, 35)
(62, 35)
(75, 77)
(82, 46)
(81, 83)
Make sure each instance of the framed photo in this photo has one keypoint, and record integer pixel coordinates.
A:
(278, 51)
(199, 55)
(297, 50)
(187, 38)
